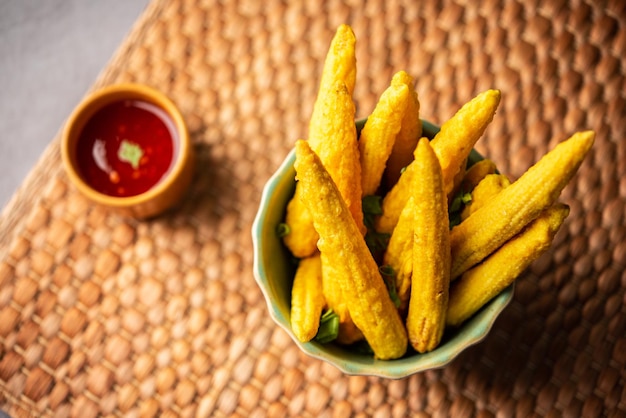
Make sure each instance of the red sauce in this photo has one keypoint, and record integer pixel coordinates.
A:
(126, 148)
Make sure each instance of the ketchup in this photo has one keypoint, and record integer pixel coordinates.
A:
(126, 148)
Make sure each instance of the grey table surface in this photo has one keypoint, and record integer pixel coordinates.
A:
(51, 52)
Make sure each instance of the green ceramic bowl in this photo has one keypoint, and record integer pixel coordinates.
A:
(274, 272)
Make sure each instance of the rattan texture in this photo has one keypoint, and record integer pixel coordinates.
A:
(101, 315)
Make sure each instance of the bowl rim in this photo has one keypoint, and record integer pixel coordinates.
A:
(451, 346)
(96, 101)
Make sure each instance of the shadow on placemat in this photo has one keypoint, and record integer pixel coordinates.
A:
(100, 315)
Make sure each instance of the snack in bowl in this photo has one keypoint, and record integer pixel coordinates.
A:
(415, 276)
(126, 146)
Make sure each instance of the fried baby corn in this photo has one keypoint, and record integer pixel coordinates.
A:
(476, 173)
(430, 279)
(456, 181)
(394, 201)
(363, 288)
(480, 284)
(302, 237)
(340, 62)
(452, 144)
(379, 134)
(348, 332)
(410, 132)
(486, 189)
(307, 300)
(335, 142)
(398, 254)
(518, 204)
(458, 135)
(332, 134)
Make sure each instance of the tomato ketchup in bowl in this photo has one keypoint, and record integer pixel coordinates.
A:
(127, 146)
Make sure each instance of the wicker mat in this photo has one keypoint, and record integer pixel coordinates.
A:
(105, 316)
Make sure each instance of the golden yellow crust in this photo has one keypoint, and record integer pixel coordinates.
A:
(395, 200)
(332, 134)
(459, 134)
(362, 286)
(452, 145)
(307, 300)
(398, 254)
(515, 206)
(480, 284)
(476, 173)
(410, 132)
(331, 286)
(430, 279)
(335, 142)
(486, 189)
(302, 237)
(378, 136)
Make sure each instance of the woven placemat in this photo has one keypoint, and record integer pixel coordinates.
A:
(105, 316)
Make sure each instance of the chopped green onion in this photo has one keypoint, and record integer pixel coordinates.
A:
(454, 219)
(329, 327)
(372, 205)
(456, 207)
(130, 152)
(459, 201)
(389, 277)
(387, 271)
(376, 241)
(282, 229)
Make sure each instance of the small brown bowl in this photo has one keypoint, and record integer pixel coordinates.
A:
(166, 190)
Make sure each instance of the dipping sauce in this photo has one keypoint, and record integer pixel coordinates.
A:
(126, 148)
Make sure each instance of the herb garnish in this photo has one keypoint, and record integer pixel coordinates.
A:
(282, 230)
(389, 277)
(456, 207)
(130, 152)
(329, 327)
(377, 242)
